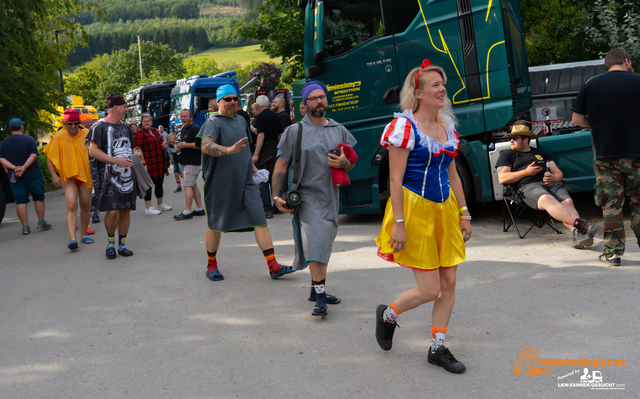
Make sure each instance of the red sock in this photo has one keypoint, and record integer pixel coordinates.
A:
(270, 257)
(212, 263)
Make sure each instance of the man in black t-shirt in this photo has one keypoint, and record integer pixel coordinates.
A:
(269, 130)
(280, 108)
(610, 105)
(189, 160)
(539, 181)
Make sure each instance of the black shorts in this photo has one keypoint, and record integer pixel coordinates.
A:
(532, 191)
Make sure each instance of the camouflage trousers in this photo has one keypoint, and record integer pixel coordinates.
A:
(617, 181)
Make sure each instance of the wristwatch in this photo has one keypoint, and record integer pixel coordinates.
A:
(275, 198)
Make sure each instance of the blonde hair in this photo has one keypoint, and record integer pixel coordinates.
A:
(145, 115)
(408, 99)
(171, 136)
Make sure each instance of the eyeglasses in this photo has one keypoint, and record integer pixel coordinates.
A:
(229, 99)
(515, 138)
(73, 123)
(314, 99)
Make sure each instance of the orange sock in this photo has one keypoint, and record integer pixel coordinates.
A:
(435, 330)
(393, 306)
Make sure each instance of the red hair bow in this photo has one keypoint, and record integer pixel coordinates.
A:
(425, 63)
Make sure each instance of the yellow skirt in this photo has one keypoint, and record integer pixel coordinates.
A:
(434, 238)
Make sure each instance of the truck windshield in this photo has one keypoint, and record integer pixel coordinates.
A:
(347, 24)
(179, 102)
(134, 112)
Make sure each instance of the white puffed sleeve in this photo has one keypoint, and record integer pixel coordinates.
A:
(398, 133)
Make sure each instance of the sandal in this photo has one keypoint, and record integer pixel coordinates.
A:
(73, 245)
(87, 240)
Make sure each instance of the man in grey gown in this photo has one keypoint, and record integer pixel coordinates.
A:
(315, 220)
(232, 200)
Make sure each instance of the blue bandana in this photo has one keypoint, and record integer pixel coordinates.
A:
(311, 86)
(225, 91)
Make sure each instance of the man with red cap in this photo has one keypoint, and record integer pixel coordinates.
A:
(67, 154)
(111, 144)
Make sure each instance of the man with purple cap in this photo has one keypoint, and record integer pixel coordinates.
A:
(111, 144)
(231, 197)
(19, 154)
(315, 220)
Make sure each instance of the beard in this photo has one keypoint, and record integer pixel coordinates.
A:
(317, 112)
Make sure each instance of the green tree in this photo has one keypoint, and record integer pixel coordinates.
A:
(201, 66)
(30, 57)
(612, 24)
(280, 28)
(119, 72)
(270, 75)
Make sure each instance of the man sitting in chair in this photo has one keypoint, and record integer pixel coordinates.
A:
(538, 179)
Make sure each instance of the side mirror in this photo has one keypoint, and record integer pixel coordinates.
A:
(317, 67)
(196, 104)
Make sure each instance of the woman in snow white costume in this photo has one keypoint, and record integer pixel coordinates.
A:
(426, 223)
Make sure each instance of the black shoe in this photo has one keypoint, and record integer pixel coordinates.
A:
(124, 251)
(581, 240)
(443, 358)
(613, 260)
(182, 216)
(268, 215)
(198, 213)
(331, 300)
(111, 252)
(384, 330)
(585, 227)
(321, 305)
(95, 219)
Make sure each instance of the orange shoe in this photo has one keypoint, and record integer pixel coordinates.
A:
(90, 231)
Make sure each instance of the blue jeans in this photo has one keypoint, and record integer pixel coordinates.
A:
(265, 193)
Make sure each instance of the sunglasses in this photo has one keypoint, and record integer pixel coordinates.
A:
(229, 99)
(515, 138)
(73, 123)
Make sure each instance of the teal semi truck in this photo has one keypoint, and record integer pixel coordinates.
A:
(363, 49)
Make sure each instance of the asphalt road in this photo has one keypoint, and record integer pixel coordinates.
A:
(76, 325)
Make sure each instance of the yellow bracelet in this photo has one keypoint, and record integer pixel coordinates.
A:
(464, 208)
(525, 172)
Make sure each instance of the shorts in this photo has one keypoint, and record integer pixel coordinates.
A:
(531, 192)
(176, 166)
(191, 173)
(21, 190)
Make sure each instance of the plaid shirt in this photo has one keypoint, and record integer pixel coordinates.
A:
(151, 145)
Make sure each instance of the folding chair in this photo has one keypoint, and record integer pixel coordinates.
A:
(514, 206)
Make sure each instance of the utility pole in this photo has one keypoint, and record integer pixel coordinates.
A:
(61, 78)
(139, 56)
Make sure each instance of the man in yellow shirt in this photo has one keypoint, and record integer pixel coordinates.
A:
(68, 155)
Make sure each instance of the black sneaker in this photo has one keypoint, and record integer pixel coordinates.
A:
(581, 240)
(124, 251)
(182, 216)
(613, 260)
(384, 330)
(331, 300)
(198, 213)
(321, 305)
(443, 358)
(95, 219)
(177, 190)
(585, 227)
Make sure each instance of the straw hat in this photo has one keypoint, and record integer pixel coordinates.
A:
(520, 128)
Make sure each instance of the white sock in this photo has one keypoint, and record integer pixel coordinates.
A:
(199, 209)
(389, 315)
(319, 288)
(438, 340)
(185, 212)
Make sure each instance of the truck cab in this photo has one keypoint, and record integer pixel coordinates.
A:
(194, 94)
(154, 99)
(362, 50)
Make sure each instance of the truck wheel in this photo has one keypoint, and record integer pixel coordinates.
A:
(3, 203)
(467, 182)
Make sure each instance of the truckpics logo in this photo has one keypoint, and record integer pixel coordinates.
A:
(529, 362)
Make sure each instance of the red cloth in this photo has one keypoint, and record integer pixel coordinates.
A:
(70, 115)
(151, 145)
(339, 176)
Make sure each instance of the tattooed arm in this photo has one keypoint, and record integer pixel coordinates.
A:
(209, 147)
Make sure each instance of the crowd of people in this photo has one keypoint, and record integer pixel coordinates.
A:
(426, 221)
